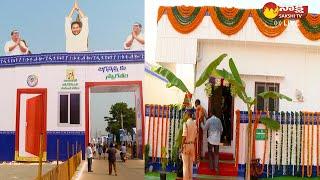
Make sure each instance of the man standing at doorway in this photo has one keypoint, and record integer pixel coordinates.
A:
(189, 136)
(200, 118)
(77, 31)
(214, 127)
(89, 157)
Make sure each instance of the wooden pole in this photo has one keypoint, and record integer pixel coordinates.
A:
(57, 152)
(40, 159)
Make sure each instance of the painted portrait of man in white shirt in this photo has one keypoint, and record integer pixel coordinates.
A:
(15, 46)
(135, 41)
(76, 31)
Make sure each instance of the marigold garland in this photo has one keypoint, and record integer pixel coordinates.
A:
(268, 27)
(237, 137)
(318, 132)
(161, 11)
(303, 141)
(310, 152)
(310, 26)
(153, 123)
(228, 20)
(162, 125)
(185, 19)
(186, 24)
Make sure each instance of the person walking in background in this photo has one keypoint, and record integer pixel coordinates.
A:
(123, 152)
(15, 46)
(214, 127)
(77, 32)
(189, 136)
(200, 118)
(89, 157)
(104, 150)
(112, 158)
(135, 41)
(100, 151)
(94, 150)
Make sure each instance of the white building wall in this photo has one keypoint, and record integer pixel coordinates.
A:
(156, 92)
(168, 37)
(292, 67)
(52, 77)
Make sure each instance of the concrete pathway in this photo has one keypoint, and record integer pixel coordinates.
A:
(131, 169)
(22, 171)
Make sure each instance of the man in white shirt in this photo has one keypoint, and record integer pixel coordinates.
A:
(15, 46)
(215, 129)
(77, 31)
(89, 154)
(135, 41)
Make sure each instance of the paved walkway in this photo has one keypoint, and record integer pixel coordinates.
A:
(131, 169)
(22, 171)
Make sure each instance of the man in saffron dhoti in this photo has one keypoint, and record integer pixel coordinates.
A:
(214, 127)
(189, 136)
(200, 118)
(76, 31)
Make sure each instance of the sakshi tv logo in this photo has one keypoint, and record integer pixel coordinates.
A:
(271, 10)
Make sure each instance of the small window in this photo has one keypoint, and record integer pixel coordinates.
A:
(69, 110)
(266, 104)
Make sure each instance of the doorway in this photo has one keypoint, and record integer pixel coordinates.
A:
(221, 105)
(96, 92)
(31, 108)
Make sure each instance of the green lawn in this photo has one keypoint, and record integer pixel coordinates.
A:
(156, 175)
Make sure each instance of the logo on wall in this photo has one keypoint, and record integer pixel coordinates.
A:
(32, 80)
(114, 72)
(271, 10)
(71, 82)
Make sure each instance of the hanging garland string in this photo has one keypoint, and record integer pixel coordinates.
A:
(287, 155)
(303, 141)
(153, 131)
(318, 132)
(185, 19)
(297, 140)
(228, 20)
(237, 137)
(309, 26)
(277, 149)
(161, 11)
(310, 152)
(268, 27)
(162, 129)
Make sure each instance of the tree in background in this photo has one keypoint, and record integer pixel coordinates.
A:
(128, 117)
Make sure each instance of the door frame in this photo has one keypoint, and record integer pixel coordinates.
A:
(89, 85)
(43, 92)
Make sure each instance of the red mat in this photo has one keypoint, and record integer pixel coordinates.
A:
(226, 169)
(222, 156)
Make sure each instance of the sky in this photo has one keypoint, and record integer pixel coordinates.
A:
(151, 9)
(41, 23)
(100, 104)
